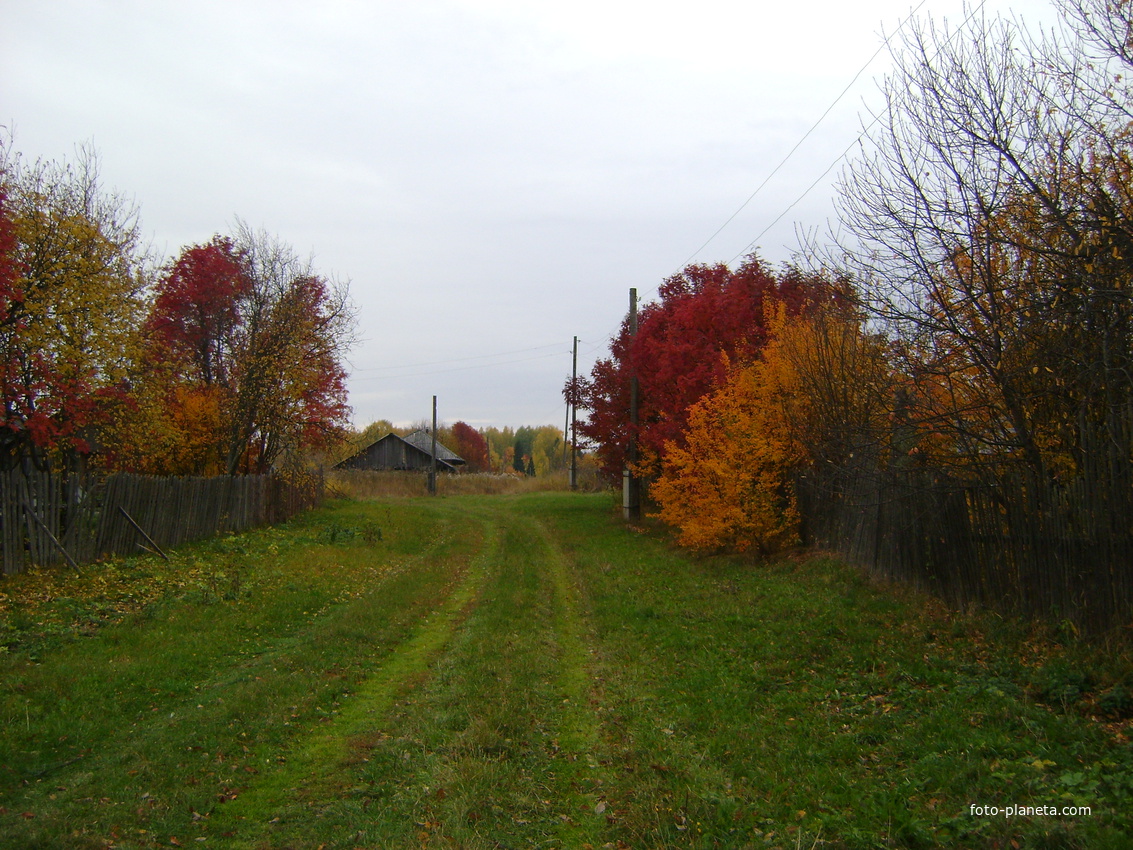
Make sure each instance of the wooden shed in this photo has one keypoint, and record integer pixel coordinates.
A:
(413, 452)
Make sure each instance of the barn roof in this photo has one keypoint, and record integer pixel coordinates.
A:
(420, 442)
(423, 440)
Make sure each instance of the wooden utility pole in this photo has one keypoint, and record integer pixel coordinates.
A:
(433, 469)
(631, 486)
(566, 433)
(573, 418)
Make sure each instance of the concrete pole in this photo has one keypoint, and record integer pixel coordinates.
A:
(574, 420)
(631, 486)
(433, 469)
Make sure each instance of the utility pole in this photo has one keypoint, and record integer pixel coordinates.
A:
(433, 469)
(631, 486)
(566, 433)
(574, 418)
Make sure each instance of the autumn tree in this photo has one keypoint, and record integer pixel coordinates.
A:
(256, 339)
(988, 225)
(704, 316)
(547, 450)
(291, 390)
(830, 387)
(470, 444)
(184, 385)
(819, 394)
(9, 271)
(501, 447)
(163, 424)
(198, 310)
(521, 456)
(727, 485)
(71, 308)
(10, 293)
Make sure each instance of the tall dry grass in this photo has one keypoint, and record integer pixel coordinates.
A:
(366, 484)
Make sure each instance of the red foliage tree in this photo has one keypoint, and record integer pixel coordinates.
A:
(197, 308)
(471, 445)
(705, 315)
(9, 273)
(247, 327)
(70, 301)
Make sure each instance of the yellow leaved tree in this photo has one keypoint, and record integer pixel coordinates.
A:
(820, 391)
(727, 487)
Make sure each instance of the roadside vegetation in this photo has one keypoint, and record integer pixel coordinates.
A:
(944, 390)
(526, 671)
(372, 484)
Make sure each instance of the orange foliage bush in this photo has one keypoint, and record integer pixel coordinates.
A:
(728, 487)
(820, 389)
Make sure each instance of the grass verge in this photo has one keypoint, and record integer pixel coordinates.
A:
(525, 671)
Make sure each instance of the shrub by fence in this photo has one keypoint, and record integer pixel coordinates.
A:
(1012, 541)
(50, 519)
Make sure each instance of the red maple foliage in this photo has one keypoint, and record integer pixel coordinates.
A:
(706, 316)
(267, 348)
(197, 307)
(9, 273)
(471, 445)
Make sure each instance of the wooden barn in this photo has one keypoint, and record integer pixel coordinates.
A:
(413, 452)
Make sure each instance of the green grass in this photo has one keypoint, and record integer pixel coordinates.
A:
(524, 671)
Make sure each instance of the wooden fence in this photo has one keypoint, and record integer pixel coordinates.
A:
(50, 519)
(1011, 542)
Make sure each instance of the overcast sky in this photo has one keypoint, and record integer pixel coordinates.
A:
(491, 176)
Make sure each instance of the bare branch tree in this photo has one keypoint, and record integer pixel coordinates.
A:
(987, 221)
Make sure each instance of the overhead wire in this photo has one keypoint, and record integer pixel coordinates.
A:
(705, 244)
(460, 368)
(794, 149)
(884, 44)
(857, 140)
(563, 346)
(458, 359)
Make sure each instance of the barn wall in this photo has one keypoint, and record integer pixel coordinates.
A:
(389, 454)
(392, 452)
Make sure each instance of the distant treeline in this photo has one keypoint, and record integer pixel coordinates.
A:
(526, 450)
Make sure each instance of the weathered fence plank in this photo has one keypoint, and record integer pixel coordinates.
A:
(1014, 541)
(43, 516)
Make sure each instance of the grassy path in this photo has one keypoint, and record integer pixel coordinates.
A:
(526, 672)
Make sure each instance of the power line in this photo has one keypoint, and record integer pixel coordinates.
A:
(799, 143)
(460, 368)
(857, 140)
(459, 359)
(806, 192)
